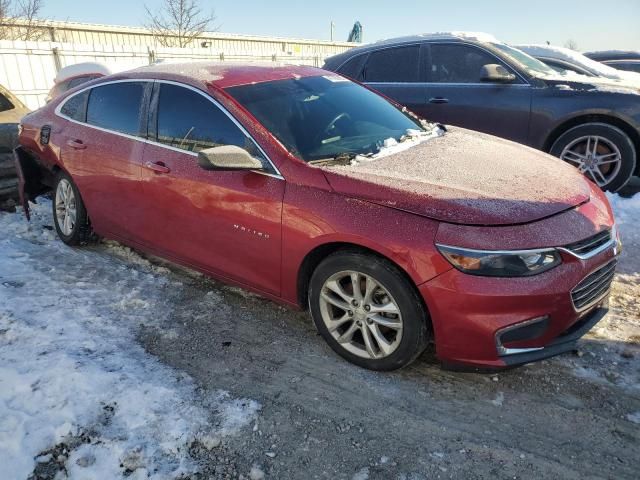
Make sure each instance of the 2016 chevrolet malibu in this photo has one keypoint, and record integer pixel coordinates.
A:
(312, 190)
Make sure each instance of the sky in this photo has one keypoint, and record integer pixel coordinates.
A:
(591, 24)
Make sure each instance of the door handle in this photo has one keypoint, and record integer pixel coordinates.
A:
(76, 144)
(438, 100)
(157, 167)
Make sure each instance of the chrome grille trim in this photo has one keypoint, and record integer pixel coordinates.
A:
(594, 287)
(592, 246)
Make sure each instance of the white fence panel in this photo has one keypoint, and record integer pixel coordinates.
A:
(29, 68)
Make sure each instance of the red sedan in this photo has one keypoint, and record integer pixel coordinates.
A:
(312, 190)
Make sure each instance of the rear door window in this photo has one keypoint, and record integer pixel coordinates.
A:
(354, 67)
(398, 64)
(117, 106)
(189, 121)
(451, 63)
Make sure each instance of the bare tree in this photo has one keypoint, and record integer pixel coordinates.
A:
(18, 21)
(571, 44)
(179, 22)
(28, 11)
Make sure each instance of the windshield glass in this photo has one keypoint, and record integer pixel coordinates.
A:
(532, 65)
(324, 117)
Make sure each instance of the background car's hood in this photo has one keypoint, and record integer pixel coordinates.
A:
(465, 177)
(581, 83)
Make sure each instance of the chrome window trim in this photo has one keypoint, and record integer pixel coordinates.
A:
(58, 112)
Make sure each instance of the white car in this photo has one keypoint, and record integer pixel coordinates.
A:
(565, 60)
(73, 75)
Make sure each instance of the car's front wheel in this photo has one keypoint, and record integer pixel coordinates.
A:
(69, 213)
(368, 311)
(601, 151)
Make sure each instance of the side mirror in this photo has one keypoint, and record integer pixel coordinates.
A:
(496, 73)
(227, 157)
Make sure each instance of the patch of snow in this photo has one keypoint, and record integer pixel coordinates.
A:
(634, 417)
(70, 363)
(256, 473)
(571, 56)
(498, 400)
(391, 146)
(362, 474)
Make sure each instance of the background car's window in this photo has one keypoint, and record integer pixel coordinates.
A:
(458, 63)
(189, 121)
(353, 68)
(627, 66)
(563, 67)
(76, 107)
(5, 104)
(399, 64)
(116, 107)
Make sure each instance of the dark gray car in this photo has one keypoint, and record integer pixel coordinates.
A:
(482, 84)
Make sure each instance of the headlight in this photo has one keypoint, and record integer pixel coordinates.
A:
(517, 263)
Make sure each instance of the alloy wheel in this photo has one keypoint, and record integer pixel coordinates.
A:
(595, 156)
(66, 210)
(361, 314)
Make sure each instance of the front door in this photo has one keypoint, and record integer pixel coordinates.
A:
(225, 222)
(455, 94)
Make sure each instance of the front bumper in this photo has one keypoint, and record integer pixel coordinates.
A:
(470, 315)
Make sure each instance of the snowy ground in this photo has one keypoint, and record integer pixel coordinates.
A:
(113, 365)
(72, 373)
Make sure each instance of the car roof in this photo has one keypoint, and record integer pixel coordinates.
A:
(221, 74)
(614, 55)
(473, 37)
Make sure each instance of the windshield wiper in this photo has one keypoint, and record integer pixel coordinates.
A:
(342, 158)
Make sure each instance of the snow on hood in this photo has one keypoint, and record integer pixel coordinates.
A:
(549, 51)
(465, 177)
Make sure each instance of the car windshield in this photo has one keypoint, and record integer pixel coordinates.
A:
(532, 65)
(325, 117)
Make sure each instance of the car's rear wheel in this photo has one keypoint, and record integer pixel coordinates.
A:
(602, 152)
(367, 311)
(69, 213)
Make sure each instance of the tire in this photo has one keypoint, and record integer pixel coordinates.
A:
(72, 228)
(612, 143)
(400, 346)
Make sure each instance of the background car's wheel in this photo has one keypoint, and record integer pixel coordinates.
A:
(367, 310)
(69, 214)
(602, 152)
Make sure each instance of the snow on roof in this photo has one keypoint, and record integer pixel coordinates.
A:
(84, 68)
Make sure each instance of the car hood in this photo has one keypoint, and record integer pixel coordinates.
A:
(465, 177)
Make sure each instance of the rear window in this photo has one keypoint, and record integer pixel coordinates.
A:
(400, 64)
(76, 107)
(117, 107)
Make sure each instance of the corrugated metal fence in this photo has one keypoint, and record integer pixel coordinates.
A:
(28, 68)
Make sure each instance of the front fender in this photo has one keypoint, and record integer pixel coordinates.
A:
(312, 218)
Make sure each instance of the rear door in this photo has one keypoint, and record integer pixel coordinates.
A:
(397, 73)
(225, 222)
(102, 148)
(456, 95)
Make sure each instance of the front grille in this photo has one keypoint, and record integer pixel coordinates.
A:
(584, 247)
(594, 287)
